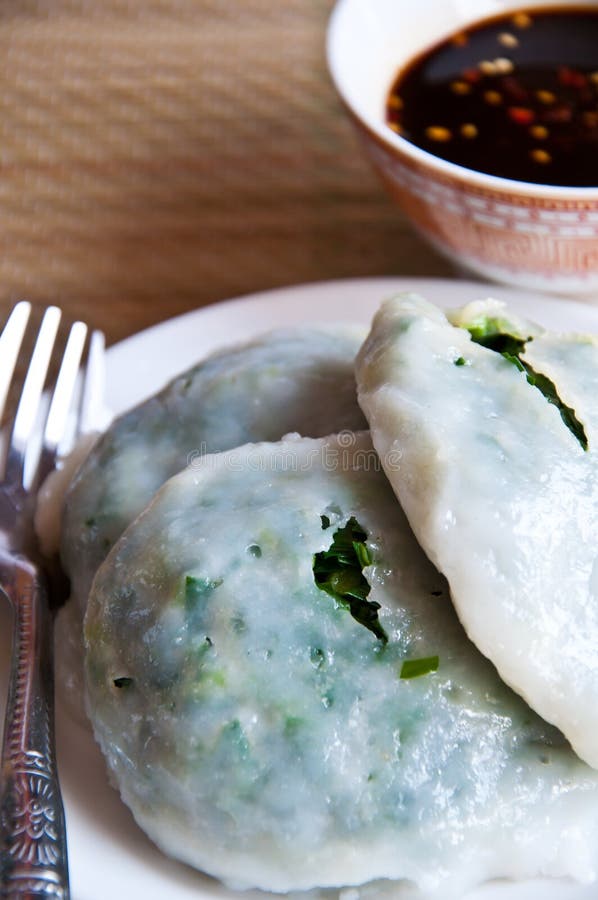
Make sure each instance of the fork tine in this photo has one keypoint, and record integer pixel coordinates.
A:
(28, 408)
(65, 387)
(93, 385)
(62, 400)
(10, 346)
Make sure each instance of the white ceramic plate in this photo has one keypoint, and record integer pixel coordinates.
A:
(110, 858)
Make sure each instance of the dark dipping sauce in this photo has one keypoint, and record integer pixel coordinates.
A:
(514, 96)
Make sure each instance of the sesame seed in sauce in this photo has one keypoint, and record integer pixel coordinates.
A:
(503, 65)
(438, 133)
(469, 130)
(522, 20)
(460, 87)
(541, 156)
(488, 67)
(539, 132)
(494, 98)
(460, 39)
(507, 39)
(395, 102)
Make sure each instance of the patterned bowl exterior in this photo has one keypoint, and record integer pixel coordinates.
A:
(547, 243)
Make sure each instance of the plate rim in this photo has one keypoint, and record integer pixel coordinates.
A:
(273, 294)
(116, 357)
(270, 302)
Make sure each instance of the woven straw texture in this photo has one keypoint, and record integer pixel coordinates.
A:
(157, 156)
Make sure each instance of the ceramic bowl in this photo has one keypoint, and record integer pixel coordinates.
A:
(529, 235)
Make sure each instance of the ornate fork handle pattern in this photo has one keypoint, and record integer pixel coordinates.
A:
(33, 856)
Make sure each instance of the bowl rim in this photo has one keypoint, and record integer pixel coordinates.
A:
(400, 146)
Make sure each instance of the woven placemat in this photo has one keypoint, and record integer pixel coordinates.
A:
(156, 156)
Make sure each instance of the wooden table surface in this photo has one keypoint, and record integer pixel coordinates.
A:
(158, 156)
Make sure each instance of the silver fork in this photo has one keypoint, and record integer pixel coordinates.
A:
(33, 852)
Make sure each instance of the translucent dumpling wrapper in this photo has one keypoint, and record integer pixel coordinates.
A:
(282, 733)
(289, 380)
(495, 422)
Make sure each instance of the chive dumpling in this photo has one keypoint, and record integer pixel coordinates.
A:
(289, 380)
(499, 480)
(286, 699)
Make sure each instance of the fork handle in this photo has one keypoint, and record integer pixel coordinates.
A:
(33, 855)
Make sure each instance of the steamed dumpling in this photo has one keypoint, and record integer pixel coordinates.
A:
(259, 727)
(499, 479)
(296, 379)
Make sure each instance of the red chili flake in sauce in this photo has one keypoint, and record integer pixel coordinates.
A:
(521, 115)
(571, 77)
(562, 114)
(514, 90)
(541, 88)
(471, 75)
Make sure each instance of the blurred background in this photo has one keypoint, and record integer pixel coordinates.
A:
(160, 155)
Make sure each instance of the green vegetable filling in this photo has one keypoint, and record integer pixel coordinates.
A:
(414, 668)
(197, 590)
(339, 572)
(488, 334)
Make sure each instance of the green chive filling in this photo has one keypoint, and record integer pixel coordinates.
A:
(414, 668)
(511, 347)
(339, 572)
